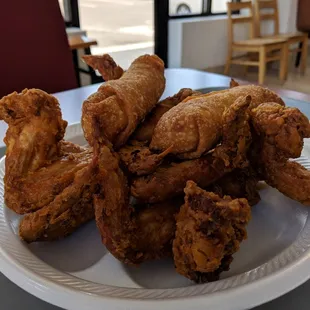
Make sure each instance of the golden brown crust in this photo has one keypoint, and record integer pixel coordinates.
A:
(120, 105)
(39, 188)
(170, 180)
(233, 83)
(240, 183)
(68, 211)
(194, 126)
(42, 170)
(280, 132)
(209, 231)
(139, 160)
(145, 131)
(131, 235)
(33, 142)
(106, 66)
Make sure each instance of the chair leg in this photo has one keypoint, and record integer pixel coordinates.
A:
(284, 63)
(262, 65)
(304, 56)
(228, 62)
(298, 56)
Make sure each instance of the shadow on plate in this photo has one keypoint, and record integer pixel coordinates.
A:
(77, 252)
(159, 274)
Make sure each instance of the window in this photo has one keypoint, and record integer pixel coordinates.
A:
(190, 8)
(185, 7)
(218, 6)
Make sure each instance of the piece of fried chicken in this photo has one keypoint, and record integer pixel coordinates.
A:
(193, 126)
(109, 70)
(169, 180)
(41, 170)
(209, 231)
(240, 183)
(279, 136)
(132, 235)
(39, 164)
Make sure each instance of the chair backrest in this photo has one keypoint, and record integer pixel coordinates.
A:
(303, 13)
(266, 10)
(34, 47)
(234, 19)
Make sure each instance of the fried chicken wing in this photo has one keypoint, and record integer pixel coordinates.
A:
(209, 231)
(120, 105)
(34, 143)
(131, 235)
(44, 174)
(280, 132)
(145, 131)
(169, 181)
(194, 125)
(106, 66)
(39, 188)
(35, 128)
(68, 211)
(140, 160)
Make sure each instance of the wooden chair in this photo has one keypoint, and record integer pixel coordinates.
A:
(262, 46)
(292, 38)
(302, 23)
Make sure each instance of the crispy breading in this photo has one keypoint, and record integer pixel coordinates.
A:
(209, 231)
(120, 105)
(194, 125)
(145, 131)
(169, 180)
(280, 132)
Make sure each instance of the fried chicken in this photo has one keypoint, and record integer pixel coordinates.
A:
(44, 173)
(240, 183)
(140, 160)
(120, 105)
(280, 132)
(39, 165)
(193, 127)
(132, 235)
(106, 66)
(145, 131)
(168, 181)
(209, 231)
(233, 83)
(69, 210)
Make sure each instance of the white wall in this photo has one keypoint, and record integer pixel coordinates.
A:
(202, 42)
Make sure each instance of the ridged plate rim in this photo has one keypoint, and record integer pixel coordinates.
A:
(236, 292)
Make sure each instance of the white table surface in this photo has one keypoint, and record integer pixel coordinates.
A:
(13, 297)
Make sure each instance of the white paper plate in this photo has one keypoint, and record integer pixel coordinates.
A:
(79, 273)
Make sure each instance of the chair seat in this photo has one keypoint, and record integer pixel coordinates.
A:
(288, 36)
(261, 41)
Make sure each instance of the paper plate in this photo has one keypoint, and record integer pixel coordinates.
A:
(79, 273)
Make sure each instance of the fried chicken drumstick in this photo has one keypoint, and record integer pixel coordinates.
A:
(209, 231)
(193, 127)
(169, 181)
(280, 133)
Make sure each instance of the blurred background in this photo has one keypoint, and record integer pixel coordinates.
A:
(184, 33)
